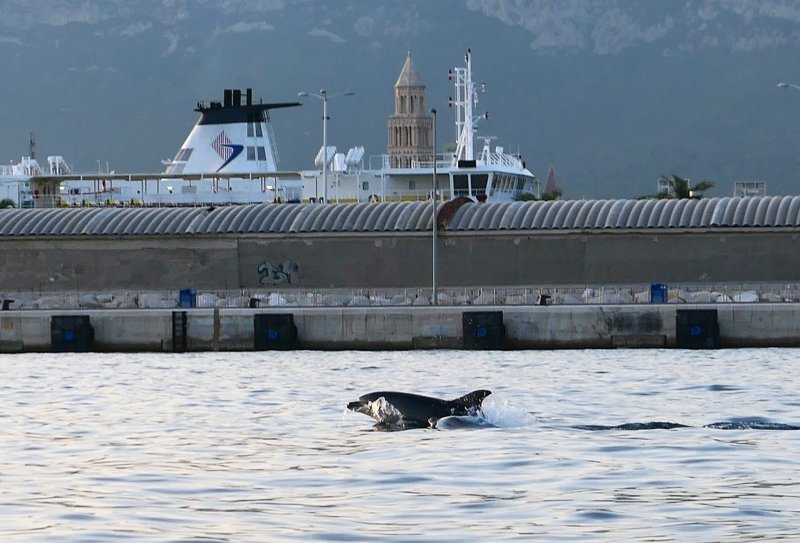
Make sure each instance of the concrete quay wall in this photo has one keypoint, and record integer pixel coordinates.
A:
(381, 328)
(400, 259)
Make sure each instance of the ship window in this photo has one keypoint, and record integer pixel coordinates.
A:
(479, 182)
(497, 183)
(251, 152)
(259, 133)
(365, 185)
(184, 154)
(412, 184)
(501, 183)
(249, 129)
(262, 153)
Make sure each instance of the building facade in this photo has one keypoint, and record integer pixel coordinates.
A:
(410, 139)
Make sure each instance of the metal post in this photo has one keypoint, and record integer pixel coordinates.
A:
(324, 145)
(434, 254)
(323, 95)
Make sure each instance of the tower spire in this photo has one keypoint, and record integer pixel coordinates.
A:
(409, 76)
(411, 127)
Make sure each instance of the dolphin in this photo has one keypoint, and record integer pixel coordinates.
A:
(401, 410)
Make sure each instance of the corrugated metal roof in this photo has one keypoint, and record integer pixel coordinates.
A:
(768, 211)
(776, 211)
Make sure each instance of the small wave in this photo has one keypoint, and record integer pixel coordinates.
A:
(722, 388)
(748, 423)
(751, 423)
(632, 426)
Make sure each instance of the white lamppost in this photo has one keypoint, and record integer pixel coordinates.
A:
(323, 95)
(434, 255)
(789, 86)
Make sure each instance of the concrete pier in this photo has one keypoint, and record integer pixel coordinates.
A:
(383, 328)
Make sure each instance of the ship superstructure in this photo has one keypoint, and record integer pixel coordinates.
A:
(230, 157)
(232, 136)
(406, 171)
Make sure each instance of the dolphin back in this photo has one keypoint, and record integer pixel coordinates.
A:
(414, 408)
(468, 404)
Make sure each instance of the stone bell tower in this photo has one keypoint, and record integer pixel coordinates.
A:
(411, 127)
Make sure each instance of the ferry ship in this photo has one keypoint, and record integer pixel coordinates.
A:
(230, 157)
(406, 171)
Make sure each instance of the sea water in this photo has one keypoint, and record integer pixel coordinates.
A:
(259, 447)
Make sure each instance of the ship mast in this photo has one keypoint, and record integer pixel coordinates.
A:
(465, 99)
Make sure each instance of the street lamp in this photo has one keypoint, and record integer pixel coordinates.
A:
(789, 86)
(323, 95)
(434, 256)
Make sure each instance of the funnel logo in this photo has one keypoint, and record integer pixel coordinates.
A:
(225, 149)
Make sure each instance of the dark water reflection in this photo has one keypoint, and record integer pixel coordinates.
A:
(258, 447)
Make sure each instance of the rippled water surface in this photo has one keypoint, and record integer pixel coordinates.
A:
(259, 447)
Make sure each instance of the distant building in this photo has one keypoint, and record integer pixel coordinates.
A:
(551, 187)
(664, 187)
(411, 127)
(743, 189)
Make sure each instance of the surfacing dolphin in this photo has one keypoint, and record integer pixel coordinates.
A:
(401, 410)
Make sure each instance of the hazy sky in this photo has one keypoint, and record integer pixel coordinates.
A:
(613, 93)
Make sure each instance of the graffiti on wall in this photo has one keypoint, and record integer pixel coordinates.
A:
(284, 273)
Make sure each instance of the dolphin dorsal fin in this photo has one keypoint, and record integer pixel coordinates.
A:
(470, 401)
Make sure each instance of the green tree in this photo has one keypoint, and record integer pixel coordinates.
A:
(525, 197)
(6, 203)
(680, 187)
(553, 195)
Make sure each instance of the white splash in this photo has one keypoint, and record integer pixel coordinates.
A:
(383, 411)
(499, 412)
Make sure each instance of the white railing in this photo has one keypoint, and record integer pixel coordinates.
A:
(509, 161)
(441, 163)
(413, 195)
(383, 162)
(445, 161)
(458, 297)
